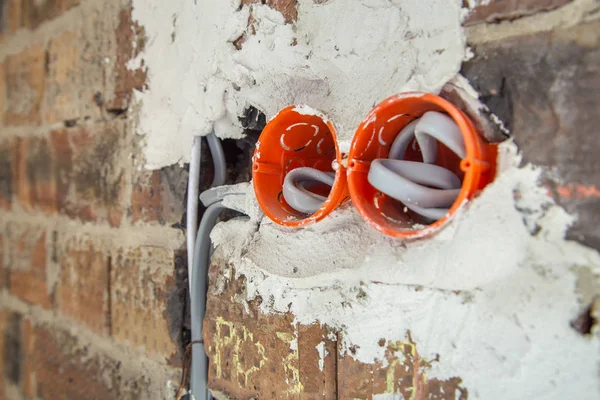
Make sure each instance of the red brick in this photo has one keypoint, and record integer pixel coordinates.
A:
(34, 174)
(58, 366)
(25, 76)
(3, 266)
(82, 290)
(11, 351)
(98, 172)
(63, 83)
(11, 18)
(2, 90)
(130, 39)
(497, 10)
(158, 196)
(62, 154)
(6, 174)
(3, 328)
(139, 291)
(20, 183)
(287, 8)
(78, 172)
(27, 255)
(518, 79)
(35, 12)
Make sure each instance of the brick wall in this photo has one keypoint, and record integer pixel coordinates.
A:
(92, 263)
(91, 260)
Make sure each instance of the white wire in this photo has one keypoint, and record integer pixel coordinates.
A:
(192, 203)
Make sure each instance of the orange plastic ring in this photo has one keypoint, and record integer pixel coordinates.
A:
(373, 139)
(296, 137)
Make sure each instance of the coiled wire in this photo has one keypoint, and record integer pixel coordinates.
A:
(423, 187)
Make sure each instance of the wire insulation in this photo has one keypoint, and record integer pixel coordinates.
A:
(296, 187)
(199, 370)
(192, 202)
(216, 151)
(425, 188)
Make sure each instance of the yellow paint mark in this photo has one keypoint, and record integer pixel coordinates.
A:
(235, 340)
(295, 387)
(285, 336)
(220, 343)
(247, 335)
(399, 346)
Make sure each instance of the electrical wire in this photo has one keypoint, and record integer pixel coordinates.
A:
(218, 156)
(296, 187)
(199, 267)
(216, 151)
(425, 188)
(192, 202)
(199, 368)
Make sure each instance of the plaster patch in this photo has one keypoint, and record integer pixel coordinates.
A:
(492, 294)
(322, 354)
(340, 57)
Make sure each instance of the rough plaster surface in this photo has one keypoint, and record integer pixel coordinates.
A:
(493, 294)
(340, 57)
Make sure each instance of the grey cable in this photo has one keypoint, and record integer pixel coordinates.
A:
(198, 273)
(296, 185)
(199, 368)
(425, 188)
(216, 151)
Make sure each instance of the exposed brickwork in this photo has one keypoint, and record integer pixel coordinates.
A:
(287, 8)
(6, 178)
(141, 280)
(11, 17)
(98, 175)
(62, 100)
(497, 10)
(159, 196)
(3, 267)
(79, 172)
(544, 87)
(80, 283)
(24, 77)
(35, 12)
(27, 263)
(11, 349)
(58, 367)
(2, 90)
(258, 356)
(82, 291)
(130, 42)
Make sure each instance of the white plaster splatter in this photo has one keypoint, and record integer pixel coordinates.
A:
(322, 354)
(492, 294)
(340, 57)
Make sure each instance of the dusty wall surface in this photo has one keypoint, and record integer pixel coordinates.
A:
(90, 265)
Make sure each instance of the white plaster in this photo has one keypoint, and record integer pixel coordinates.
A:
(322, 354)
(340, 57)
(493, 298)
